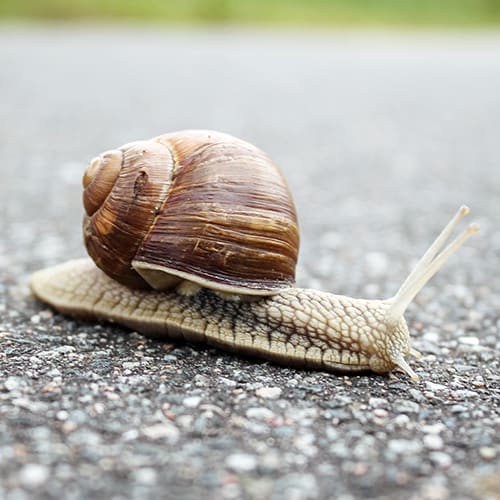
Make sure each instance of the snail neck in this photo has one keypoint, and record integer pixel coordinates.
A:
(358, 328)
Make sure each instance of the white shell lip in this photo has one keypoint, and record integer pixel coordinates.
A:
(163, 278)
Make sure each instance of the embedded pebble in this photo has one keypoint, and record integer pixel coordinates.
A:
(488, 452)
(381, 413)
(191, 402)
(241, 462)
(400, 446)
(378, 403)
(145, 475)
(12, 383)
(260, 413)
(463, 394)
(406, 406)
(201, 380)
(268, 392)
(472, 341)
(33, 475)
(432, 491)
(35, 319)
(440, 459)
(434, 428)
(402, 420)
(458, 408)
(433, 442)
(431, 386)
(431, 336)
(297, 486)
(305, 443)
(160, 431)
(228, 382)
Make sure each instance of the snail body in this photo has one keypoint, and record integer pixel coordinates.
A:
(195, 293)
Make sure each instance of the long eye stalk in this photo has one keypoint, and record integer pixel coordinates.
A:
(430, 263)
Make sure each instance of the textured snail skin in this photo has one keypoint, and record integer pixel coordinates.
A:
(299, 327)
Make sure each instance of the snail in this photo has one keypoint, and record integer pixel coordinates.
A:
(194, 235)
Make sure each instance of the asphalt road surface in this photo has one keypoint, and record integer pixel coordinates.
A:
(381, 137)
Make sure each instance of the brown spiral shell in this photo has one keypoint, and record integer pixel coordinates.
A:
(196, 205)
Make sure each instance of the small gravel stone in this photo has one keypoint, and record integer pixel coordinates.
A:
(431, 386)
(12, 383)
(487, 452)
(340, 450)
(297, 487)
(402, 420)
(400, 446)
(433, 491)
(433, 442)
(332, 433)
(380, 413)
(305, 444)
(434, 428)
(145, 475)
(131, 365)
(472, 341)
(130, 435)
(417, 395)
(165, 430)
(241, 462)
(46, 314)
(378, 403)
(69, 426)
(268, 392)
(62, 415)
(440, 459)
(201, 380)
(34, 475)
(463, 394)
(260, 413)
(406, 406)
(458, 408)
(228, 382)
(191, 402)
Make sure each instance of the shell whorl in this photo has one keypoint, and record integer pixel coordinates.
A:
(196, 205)
(99, 178)
(115, 230)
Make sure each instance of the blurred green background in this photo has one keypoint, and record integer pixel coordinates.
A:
(417, 13)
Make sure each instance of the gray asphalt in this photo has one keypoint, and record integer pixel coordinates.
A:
(382, 137)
